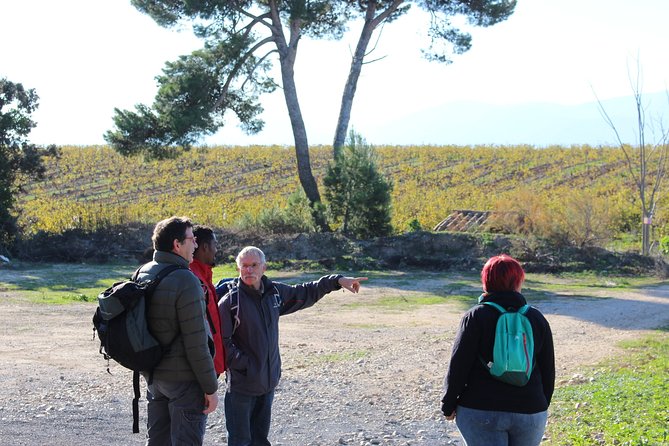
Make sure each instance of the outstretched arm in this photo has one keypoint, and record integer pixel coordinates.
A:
(351, 284)
(304, 295)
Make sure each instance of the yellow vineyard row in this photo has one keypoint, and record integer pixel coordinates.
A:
(90, 187)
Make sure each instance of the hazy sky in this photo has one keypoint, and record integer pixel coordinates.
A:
(85, 57)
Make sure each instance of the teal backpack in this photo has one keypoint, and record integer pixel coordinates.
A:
(513, 350)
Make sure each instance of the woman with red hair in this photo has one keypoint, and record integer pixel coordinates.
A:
(490, 412)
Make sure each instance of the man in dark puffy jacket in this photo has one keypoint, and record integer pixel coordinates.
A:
(181, 391)
(249, 315)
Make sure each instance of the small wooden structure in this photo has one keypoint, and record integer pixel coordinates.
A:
(463, 221)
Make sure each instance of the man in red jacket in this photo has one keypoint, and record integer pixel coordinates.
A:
(203, 261)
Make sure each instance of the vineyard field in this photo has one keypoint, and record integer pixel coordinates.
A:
(92, 187)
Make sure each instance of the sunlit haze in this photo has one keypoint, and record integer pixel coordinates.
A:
(531, 79)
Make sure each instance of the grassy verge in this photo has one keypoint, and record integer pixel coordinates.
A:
(67, 283)
(53, 283)
(418, 288)
(348, 356)
(622, 402)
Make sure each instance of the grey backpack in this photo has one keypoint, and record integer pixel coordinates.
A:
(121, 325)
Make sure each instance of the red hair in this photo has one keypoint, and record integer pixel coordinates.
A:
(502, 273)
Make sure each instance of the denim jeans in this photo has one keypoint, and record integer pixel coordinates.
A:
(247, 418)
(175, 413)
(490, 428)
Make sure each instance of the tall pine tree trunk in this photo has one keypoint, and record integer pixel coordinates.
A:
(287, 53)
(371, 23)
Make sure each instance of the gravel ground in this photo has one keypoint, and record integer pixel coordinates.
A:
(351, 376)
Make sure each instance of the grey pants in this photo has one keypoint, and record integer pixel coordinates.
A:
(175, 413)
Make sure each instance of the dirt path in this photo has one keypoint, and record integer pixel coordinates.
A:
(352, 375)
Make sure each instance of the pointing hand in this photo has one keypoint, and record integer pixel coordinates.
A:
(351, 284)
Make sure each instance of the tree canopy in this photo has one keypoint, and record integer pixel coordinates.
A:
(243, 40)
(18, 158)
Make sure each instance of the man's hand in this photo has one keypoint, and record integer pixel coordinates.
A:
(449, 416)
(210, 403)
(351, 284)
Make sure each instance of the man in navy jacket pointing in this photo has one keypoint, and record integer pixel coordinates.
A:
(249, 315)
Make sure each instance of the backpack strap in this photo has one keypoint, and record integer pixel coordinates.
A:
(499, 308)
(161, 275)
(493, 304)
(135, 375)
(234, 308)
(135, 402)
(148, 296)
(522, 310)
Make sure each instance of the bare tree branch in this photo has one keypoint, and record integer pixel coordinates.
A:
(260, 61)
(254, 19)
(236, 69)
(623, 146)
(650, 166)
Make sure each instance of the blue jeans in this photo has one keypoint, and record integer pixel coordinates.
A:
(175, 413)
(247, 418)
(490, 428)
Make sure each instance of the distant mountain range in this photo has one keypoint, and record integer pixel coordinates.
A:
(537, 124)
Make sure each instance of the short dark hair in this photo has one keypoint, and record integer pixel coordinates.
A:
(166, 231)
(203, 234)
(502, 273)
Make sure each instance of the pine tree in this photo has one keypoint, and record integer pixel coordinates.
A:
(358, 194)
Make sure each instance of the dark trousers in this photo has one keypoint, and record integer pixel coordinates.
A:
(175, 413)
(247, 418)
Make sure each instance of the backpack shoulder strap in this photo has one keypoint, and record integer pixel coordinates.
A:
(234, 306)
(165, 271)
(524, 309)
(494, 305)
(136, 273)
(161, 275)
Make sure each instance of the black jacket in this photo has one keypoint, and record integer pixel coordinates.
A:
(468, 382)
(252, 352)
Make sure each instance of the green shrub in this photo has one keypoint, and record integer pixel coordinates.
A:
(414, 225)
(358, 194)
(294, 218)
(664, 245)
